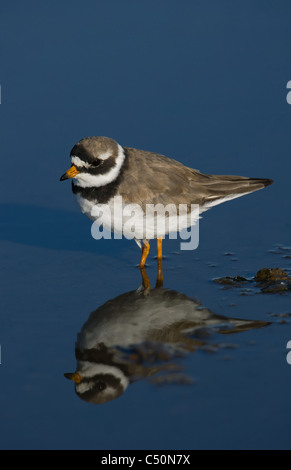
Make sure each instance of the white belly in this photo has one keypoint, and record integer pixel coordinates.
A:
(130, 221)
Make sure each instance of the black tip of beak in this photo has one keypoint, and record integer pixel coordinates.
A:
(69, 375)
(64, 177)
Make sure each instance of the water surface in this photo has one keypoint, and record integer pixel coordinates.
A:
(202, 365)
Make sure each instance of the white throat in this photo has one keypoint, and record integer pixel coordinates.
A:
(85, 180)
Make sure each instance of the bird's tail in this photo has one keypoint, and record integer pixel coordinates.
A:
(222, 188)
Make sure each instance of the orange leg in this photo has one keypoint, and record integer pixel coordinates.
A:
(145, 252)
(160, 278)
(159, 246)
(145, 279)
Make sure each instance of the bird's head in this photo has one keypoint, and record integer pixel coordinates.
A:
(96, 161)
(99, 383)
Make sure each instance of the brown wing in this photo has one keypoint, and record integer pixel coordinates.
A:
(154, 178)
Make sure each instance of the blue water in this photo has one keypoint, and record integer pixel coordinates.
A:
(205, 83)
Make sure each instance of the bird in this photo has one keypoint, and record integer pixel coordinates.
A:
(103, 171)
(142, 335)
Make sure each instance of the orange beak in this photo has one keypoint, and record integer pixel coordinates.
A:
(73, 376)
(71, 173)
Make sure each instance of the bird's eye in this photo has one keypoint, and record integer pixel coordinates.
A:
(96, 163)
(101, 386)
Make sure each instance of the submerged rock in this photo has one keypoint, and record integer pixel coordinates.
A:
(272, 274)
(273, 280)
(268, 280)
(231, 281)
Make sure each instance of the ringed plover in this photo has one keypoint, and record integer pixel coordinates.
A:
(102, 169)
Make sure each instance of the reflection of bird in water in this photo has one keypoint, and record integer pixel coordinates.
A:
(137, 335)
